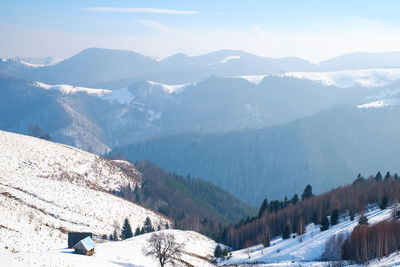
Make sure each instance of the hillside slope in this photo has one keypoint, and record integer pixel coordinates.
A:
(324, 150)
(48, 189)
(174, 195)
(121, 253)
(292, 252)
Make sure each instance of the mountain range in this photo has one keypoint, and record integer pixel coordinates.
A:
(230, 117)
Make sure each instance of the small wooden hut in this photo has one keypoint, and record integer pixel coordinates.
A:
(85, 246)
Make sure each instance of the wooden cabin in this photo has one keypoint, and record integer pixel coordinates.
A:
(85, 246)
(75, 237)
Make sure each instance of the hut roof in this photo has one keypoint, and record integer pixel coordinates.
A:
(86, 243)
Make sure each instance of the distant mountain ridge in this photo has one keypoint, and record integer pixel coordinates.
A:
(326, 150)
(96, 67)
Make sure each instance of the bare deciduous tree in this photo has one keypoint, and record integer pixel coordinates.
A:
(164, 248)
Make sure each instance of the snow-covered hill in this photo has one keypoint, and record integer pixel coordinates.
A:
(48, 189)
(292, 252)
(368, 78)
(121, 253)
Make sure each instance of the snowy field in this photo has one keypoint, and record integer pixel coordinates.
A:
(48, 189)
(121, 253)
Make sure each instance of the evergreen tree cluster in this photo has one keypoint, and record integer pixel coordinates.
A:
(219, 252)
(290, 216)
(146, 228)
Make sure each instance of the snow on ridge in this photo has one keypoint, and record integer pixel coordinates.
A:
(170, 89)
(121, 95)
(368, 78)
(38, 62)
(70, 89)
(379, 104)
(224, 60)
(374, 104)
(254, 79)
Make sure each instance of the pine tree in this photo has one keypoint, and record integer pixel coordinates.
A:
(137, 231)
(286, 232)
(218, 251)
(334, 217)
(378, 176)
(126, 231)
(359, 179)
(387, 176)
(307, 193)
(295, 199)
(325, 224)
(351, 215)
(267, 241)
(148, 228)
(384, 203)
(263, 208)
(363, 220)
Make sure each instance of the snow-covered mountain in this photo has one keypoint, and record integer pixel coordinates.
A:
(49, 189)
(36, 62)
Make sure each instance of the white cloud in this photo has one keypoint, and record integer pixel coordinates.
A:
(141, 10)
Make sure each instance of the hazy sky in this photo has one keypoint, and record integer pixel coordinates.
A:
(313, 30)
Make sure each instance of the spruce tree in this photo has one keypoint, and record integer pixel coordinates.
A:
(307, 193)
(334, 217)
(351, 214)
(267, 241)
(325, 224)
(384, 203)
(148, 228)
(363, 220)
(295, 199)
(126, 231)
(387, 176)
(378, 177)
(137, 231)
(263, 208)
(286, 232)
(218, 251)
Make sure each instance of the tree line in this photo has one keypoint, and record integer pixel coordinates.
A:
(292, 215)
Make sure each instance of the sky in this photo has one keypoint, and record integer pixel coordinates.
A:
(310, 29)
